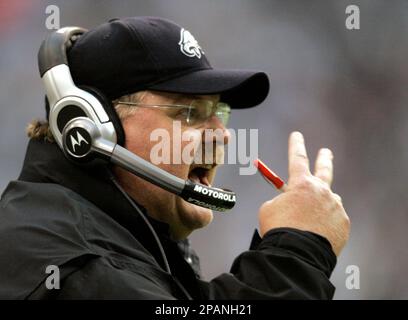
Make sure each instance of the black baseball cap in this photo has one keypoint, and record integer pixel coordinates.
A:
(150, 53)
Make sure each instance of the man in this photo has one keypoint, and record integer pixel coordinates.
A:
(76, 232)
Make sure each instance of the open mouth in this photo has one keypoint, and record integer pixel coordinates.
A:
(200, 174)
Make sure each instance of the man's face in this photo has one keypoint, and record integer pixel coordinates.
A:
(182, 217)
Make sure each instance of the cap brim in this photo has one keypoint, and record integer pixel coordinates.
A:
(239, 88)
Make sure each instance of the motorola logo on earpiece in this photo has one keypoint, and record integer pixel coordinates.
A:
(78, 141)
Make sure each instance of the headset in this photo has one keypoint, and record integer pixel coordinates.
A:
(85, 126)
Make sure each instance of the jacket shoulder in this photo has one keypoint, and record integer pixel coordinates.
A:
(43, 224)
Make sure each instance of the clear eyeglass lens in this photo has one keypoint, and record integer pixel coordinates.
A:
(201, 110)
(223, 112)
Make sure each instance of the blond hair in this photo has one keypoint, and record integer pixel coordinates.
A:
(40, 129)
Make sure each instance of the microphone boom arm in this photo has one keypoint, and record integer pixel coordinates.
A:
(198, 194)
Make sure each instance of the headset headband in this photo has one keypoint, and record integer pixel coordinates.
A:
(53, 50)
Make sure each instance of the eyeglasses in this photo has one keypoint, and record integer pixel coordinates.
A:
(195, 114)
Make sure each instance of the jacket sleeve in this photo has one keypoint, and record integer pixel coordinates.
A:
(286, 264)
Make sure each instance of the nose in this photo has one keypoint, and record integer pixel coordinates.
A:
(220, 133)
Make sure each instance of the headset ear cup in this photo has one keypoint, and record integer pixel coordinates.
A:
(110, 110)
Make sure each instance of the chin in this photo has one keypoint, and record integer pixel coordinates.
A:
(194, 217)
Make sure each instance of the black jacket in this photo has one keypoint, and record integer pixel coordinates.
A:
(74, 217)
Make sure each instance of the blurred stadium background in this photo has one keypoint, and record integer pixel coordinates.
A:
(343, 89)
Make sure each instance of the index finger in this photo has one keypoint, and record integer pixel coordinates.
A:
(298, 160)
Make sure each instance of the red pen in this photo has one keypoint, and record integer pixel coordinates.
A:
(270, 176)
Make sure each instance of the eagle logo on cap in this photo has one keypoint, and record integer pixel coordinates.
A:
(189, 45)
